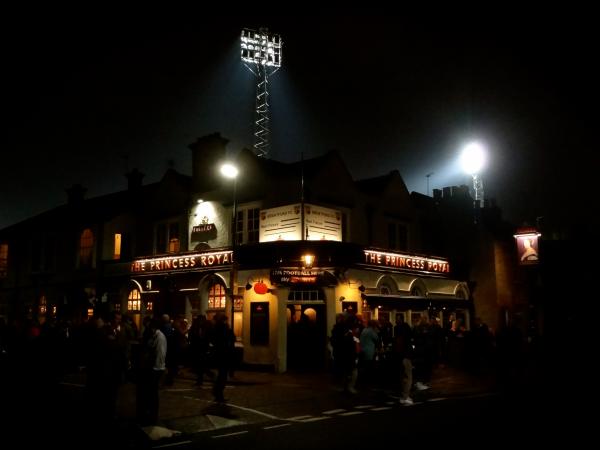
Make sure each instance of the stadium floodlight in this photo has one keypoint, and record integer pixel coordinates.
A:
(472, 160)
(261, 54)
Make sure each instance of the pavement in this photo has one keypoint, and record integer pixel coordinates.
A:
(257, 397)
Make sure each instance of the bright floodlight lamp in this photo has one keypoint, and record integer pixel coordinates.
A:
(261, 54)
(472, 160)
(228, 170)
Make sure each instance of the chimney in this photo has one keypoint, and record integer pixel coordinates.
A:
(437, 194)
(134, 180)
(75, 194)
(207, 153)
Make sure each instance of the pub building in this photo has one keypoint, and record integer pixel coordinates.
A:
(310, 242)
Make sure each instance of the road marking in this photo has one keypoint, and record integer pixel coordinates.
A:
(381, 408)
(243, 408)
(315, 419)
(439, 399)
(298, 417)
(229, 434)
(334, 411)
(352, 413)
(173, 444)
(277, 426)
(364, 406)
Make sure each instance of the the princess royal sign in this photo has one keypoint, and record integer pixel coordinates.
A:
(406, 263)
(183, 262)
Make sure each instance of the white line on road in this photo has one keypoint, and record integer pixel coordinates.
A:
(382, 408)
(364, 406)
(298, 417)
(334, 411)
(229, 434)
(277, 426)
(315, 419)
(352, 413)
(173, 444)
(243, 408)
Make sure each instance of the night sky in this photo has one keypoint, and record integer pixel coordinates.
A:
(87, 99)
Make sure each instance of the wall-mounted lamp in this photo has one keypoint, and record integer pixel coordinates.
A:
(342, 298)
(308, 260)
(362, 288)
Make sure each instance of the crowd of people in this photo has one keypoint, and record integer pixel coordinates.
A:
(369, 351)
(110, 350)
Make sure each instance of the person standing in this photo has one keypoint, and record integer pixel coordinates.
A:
(403, 354)
(223, 341)
(152, 369)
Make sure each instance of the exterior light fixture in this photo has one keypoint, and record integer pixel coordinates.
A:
(472, 161)
(308, 260)
(362, 288)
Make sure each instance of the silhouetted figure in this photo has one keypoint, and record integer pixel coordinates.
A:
(223, 341)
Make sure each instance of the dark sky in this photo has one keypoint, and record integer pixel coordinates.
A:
(87, 98)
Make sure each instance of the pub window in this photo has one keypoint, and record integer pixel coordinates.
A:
(149, 306)
(174, 237)
(3, 260)
(117, 249)
(307, 295)
(134, 302)
(239, 227)
(86, 247)
(217, 296)
(43, 307)
(253, 225)
(168, 237)
(397, 236)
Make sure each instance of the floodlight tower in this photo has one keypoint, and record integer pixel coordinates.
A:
(261, 54)
(472, 159)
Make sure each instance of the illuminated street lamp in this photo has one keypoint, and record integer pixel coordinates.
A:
(472, 160)
(261, 54)
(230, 171)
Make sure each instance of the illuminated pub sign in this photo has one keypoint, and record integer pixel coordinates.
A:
(317, 277)
(404, 262)
(284, 223)
(183, 262)
(527, 246)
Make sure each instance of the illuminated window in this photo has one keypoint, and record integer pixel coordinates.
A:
(117, 252)
(86, 247)
(90, 312)
(43, 305)
(308, 295)
(217, 297)
(117, 307)
(168, 238)
(149, 306)
(133, 301)
(3, 260)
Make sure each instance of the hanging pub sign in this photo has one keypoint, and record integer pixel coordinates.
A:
(183, 262)
(290, 277)
(406, 263)
(527, 246)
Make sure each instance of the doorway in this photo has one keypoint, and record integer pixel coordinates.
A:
(306, 336)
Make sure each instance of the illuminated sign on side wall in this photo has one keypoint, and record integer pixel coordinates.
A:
(527, 246)
(404, 262)
(285, 223)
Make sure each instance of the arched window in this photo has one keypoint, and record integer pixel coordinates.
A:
(134, 303)
(86, 247)
(217, 296)
(43, 308)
